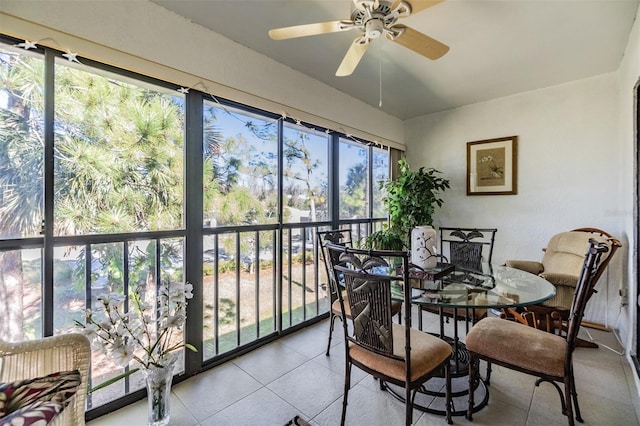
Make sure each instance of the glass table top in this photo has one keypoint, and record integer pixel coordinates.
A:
(495, 287)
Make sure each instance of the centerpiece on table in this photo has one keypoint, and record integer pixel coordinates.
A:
(144, 334)
(411, 200)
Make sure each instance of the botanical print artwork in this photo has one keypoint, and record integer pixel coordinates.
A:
(490, 167)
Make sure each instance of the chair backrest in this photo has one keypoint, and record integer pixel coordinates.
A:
(368, 276)
(341, 237)
(564, 253)
(467, 248)
(592, 259)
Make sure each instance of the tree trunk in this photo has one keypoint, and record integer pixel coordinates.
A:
(11, 297)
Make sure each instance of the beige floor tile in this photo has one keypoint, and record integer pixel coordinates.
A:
(309, 343)
(310, 388)
(294, 377)
(136, 414)
(262, 407)
(366, 407)
(268, 363)
(496, 413)
(211, 391)
(511, 387)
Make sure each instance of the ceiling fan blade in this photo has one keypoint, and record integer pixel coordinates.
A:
(418, 5)
(421, 43)
(352, 58)
(309, 29)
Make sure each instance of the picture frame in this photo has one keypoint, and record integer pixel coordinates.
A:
(492, 166)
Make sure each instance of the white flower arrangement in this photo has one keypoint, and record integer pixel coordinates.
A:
(144, 333)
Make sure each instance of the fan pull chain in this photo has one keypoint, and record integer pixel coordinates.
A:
(380, 72)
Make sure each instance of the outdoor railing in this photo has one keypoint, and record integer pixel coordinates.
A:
(257, 282)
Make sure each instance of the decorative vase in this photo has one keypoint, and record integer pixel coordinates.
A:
(159, 393)
(424, 247)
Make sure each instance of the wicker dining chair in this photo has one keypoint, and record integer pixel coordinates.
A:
(533, 351)
(42, 357)
(392, 353)
(341, 237)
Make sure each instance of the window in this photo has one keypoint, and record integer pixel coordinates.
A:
(21, 143)
(119, 209)
(354, 180)
(240, 167)
(306, 168)
(380, 175)
(119, 154)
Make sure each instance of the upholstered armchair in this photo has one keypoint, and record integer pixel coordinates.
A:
(561, 265)
(42, 360)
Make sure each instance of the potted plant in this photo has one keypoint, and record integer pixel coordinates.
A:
(411, 200)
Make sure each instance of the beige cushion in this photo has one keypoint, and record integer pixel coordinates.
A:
(565, 252)
(427, 353)
(526, 265)
(562, 263)
(335, 307)
(517, 344)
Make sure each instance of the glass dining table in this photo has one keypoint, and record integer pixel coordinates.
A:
(452, 288)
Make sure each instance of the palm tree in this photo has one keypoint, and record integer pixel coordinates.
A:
(21, 168)
(118, 162)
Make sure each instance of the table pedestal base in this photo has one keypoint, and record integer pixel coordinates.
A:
(431, 397)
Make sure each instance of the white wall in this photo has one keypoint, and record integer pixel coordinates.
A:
(568, 166)
(576, 158)
(169, 43)
(628, 80)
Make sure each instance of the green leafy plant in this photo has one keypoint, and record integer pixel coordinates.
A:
(413, 196)
(386, 239)
(411, 200)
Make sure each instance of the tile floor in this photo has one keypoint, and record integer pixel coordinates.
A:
(292, 376)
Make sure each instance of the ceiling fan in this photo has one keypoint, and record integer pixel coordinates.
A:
(372, 18)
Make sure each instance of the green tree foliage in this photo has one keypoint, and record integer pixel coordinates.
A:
(296, 153)
(21, 145)
(119, 156)
(353, 199)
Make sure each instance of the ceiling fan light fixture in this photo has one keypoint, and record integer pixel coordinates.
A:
(372, 18)
(374, 28)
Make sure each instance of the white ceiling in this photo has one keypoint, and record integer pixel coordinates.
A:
(497, 47)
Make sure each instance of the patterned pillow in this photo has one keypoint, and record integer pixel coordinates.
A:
(55, 389)
(40, 413)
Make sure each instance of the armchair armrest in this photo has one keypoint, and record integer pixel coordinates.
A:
(561, 279)
(565, 288)
(37, 358)
(526, 265)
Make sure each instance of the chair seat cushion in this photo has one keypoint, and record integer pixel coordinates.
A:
(427, 353)
(335, 308)
(519, 345)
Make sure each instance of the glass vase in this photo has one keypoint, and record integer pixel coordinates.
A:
(159, 393)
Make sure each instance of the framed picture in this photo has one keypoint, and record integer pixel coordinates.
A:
(492, 166)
